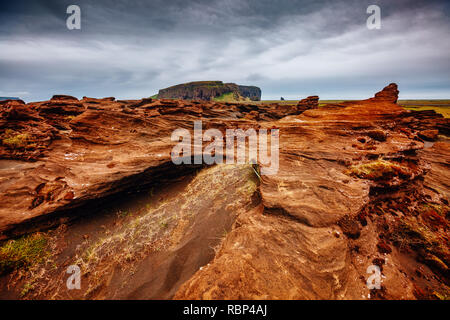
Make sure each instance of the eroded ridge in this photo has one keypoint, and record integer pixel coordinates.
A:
(355, 188)
(359, 184)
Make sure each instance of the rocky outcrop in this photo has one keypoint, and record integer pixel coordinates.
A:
(311, 102)
(24, 133)
(357, 186)
(210, 90)
(251, 92)
(90, 148)
(348, 195)
(429, 135)
(389, 93)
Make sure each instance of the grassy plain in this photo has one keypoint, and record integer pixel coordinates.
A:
(440, 106)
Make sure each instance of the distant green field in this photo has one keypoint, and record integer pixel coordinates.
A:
(225, 97)
(292, 102)
(440, 106)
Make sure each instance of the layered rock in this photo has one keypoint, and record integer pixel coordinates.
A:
(251, 92)
(210, 90)
(348, 180)
(356, 186)
(24, 133)
(389, 93)
(311, 102)
(88, 149)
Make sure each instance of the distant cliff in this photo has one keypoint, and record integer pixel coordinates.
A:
(211, 90)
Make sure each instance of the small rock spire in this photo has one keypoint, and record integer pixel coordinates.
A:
(389, 93)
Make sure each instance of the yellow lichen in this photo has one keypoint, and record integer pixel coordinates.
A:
(16, 140)
(378, 169)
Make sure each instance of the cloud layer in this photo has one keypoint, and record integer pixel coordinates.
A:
(130, 49)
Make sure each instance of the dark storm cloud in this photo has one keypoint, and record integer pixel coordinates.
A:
(287, 47)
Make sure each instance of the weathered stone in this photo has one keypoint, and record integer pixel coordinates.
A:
(208, 90)
(341, 165)
(389, 93)
(429, 135)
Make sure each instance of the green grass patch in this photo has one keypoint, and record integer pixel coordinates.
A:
(410, 232)
(444, 110)
(440, 106)
(294, 102)
(226, 97)
(23, 252)
(422, 102)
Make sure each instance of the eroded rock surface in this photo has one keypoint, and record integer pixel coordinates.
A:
(359, 183)
(350, 181)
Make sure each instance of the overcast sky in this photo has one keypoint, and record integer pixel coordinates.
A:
(289, 48)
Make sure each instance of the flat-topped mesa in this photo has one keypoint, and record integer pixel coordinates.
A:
(389, 93)
(211, 90)
(311, 102)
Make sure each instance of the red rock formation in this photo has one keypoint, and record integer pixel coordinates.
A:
(389, 93)
(24, 133)
(322, 213)
(311, 102)
(63, 97)
(278, 111)
(355, 187)
(429, 135)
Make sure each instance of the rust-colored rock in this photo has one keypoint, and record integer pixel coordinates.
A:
(24, 133)
(356, 186)
(389, 93)
(315, 197)
(429, 135)
(311, 102)
(63, 97)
